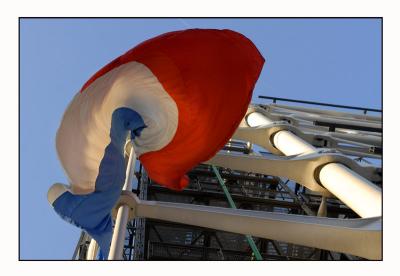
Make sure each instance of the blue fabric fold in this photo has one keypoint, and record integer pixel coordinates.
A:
(92, 212)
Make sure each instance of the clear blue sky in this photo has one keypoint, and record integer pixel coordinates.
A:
(327, 60)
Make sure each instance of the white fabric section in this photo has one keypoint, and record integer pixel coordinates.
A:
(85, 127)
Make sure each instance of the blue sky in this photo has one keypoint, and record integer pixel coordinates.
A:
(327, 60)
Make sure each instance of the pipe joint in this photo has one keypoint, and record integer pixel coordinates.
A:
(128, 199)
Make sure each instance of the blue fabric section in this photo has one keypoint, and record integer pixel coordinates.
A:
(92, 212)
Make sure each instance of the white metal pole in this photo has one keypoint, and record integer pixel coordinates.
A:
(290, 144)
(118, 239)
(92, 250)
(354, 190)
(362, 196)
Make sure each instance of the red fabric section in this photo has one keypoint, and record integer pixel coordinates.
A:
(211, 75)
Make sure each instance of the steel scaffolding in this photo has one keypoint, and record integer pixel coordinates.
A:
(268, 188)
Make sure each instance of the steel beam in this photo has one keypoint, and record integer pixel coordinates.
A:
(360, 237)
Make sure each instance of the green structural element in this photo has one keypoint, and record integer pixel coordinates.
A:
(233, 206)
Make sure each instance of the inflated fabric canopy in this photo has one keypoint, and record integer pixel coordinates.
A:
(179, 97)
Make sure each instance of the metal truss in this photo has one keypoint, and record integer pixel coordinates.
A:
(280, 200)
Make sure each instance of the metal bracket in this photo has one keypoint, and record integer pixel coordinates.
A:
(263, 135)
(303, 168)
(129, 199)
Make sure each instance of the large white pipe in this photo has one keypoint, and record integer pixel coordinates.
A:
(257, 119)
(118, 239)
(362, 196)
(285, 141)
(354, 190)
(290, 144)
(91, 253)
